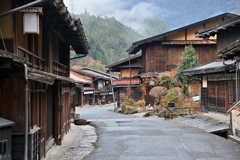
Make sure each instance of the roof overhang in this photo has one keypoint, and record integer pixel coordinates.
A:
(71, 29)
(211, 67)
(46, 77)
(230, 51)
(214, 29)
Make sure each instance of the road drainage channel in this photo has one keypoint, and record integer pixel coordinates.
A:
(221, 133)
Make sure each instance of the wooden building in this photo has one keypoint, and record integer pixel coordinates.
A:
(129, 70)
(220, 87)
(99, 91)
(34, 72)
(84, 87)
(162, 52)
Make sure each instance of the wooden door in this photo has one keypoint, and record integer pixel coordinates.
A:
(217, 96)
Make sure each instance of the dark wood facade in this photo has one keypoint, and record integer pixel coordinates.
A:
(163, 52)
(160, 58)
(35, 67)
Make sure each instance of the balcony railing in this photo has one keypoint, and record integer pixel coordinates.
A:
(33, 61)
(59, 69)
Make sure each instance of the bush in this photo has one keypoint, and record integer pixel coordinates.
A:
(140, 103)
(171, 96)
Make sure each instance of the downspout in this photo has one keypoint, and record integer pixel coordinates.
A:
(22, 7)
(26, 113)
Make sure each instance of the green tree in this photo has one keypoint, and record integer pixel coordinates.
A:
(189, 60)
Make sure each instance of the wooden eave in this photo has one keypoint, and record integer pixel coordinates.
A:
(230, 51)
(70, 28)
(214, 29)
(50, 75)
(188, 42)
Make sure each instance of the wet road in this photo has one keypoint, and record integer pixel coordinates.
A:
(127, 137)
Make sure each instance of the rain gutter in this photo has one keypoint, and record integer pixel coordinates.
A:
(26, 113)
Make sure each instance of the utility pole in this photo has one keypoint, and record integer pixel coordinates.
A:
(72, 5)
(115, 108)
(130, 71)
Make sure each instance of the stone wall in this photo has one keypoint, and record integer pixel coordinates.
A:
(235, 121)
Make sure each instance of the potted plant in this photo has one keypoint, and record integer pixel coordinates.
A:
(171, 98)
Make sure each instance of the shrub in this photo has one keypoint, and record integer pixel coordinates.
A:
(171, 96)
(140, 103)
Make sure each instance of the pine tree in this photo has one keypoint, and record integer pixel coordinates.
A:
(189, 60)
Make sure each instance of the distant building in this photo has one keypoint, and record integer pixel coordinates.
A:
(128, 77)
(97, 91)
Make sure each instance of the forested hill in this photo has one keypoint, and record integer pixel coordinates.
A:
(109, 39)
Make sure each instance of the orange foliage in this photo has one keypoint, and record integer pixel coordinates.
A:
(167, 73)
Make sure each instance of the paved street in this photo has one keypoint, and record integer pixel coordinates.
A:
(127, 137)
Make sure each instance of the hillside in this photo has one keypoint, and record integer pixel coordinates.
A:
(109, 39)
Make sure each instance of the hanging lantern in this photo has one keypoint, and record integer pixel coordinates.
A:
(31, 20)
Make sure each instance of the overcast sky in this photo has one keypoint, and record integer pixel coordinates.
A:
(130, 11)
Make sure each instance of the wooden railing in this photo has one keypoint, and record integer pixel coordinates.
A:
(33, 60)
(59, 69)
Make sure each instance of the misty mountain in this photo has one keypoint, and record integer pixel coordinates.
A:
(109, 39)
(151, 26)
(178, 13)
